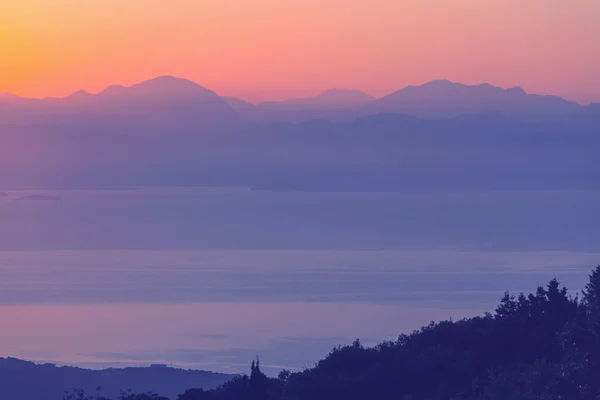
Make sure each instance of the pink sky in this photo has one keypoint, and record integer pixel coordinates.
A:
(274, 49)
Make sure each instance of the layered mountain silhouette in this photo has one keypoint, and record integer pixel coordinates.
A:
(438, 135)
(332, 105)
(442, 99)
(239, 105)
(333, 99)
(382, 152)
(164, 101)
(179, 101)
(436, 99)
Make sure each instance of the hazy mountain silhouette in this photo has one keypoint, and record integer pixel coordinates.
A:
(591, 112)
(436, 99)
(334, 99)
(164, 101)
(175, 101)
(397, 152)
(11, 105)
(239, 105)
(148, 134)
(332, 105)
(10, 98)
(442, 99)
(582, 120)
(49, 382)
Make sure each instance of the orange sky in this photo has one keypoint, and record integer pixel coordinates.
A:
(273, 49)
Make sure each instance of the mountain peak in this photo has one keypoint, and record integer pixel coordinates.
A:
(443, 98)
(163, 85)
(444, 84)
(339, 98)
(114, 89)
(516, 90)
(441, 82)
(80, 94)
(169, 84)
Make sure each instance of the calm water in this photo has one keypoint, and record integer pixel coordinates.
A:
(210, 278)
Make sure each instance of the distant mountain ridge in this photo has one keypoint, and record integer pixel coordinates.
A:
(170, 131)
(163, 101)
(162, 85)
(332, 104)
(435, 99)
(169, 99)
(332, 99)
(443, 99)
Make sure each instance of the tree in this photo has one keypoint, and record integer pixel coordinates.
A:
(591, 293)
(257, 386)
(284, 375)
(80, 395)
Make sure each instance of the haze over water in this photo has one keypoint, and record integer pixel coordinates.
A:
(211, 277)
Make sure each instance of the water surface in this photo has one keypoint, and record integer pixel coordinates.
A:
(211, 277)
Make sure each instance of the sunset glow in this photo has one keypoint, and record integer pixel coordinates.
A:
(273, 49)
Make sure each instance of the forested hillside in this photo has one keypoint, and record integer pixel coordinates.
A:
(543, 345)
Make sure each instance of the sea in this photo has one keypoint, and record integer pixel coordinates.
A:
(211, 277)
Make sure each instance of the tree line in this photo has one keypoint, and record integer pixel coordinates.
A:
(540, 346)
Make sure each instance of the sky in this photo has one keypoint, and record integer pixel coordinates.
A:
(275, 49)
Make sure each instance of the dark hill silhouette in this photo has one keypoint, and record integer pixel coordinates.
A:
(542, 345)
(534, 346)
(442, 99)
(24, 380)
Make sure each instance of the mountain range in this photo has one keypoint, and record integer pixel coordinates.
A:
(171, 131)
(174, 100)
(442, 98)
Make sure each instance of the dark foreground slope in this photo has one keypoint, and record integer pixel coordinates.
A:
(23, 380)
(541, 346)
